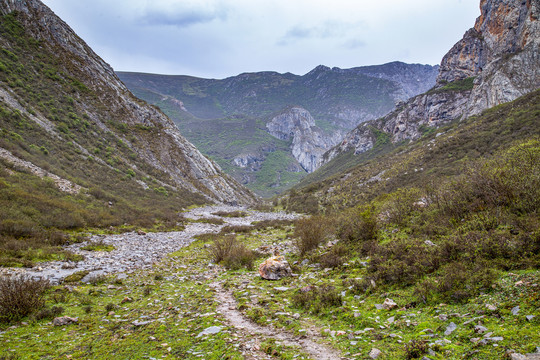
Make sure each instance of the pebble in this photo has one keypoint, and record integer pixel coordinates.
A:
(515, 310)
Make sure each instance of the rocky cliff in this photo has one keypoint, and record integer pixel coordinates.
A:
(99, 97)
(495, 62)
(308, 143)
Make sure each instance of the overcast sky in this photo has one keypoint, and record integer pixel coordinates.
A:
(221, 38)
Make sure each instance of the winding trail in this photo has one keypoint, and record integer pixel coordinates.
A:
(227, 307)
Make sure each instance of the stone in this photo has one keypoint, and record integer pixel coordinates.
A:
(275, 268)
(529, 317)
(515, 310)
(491, 307)
(429, 243)
(65, 320)
(443, 317)
(142, 323)
(140, 232)
(389, 304)
(210, 331)
(450, 329)
(281, 288)
(479, 329)
(375, 353)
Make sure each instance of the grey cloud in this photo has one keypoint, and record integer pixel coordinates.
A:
(328, 29)
(184, 17)
(354, 44)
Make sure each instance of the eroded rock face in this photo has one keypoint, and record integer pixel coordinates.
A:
(502, 53)
(275, 268)
(308, 141)
(163, 147)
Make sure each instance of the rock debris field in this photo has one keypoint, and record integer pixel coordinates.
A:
(133, 251)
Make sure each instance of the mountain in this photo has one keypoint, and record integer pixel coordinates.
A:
(497, 61)
(77, 148)
(332, 101)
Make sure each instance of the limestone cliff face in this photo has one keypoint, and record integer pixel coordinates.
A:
(308, 142)
(164, 148)
(501, 53)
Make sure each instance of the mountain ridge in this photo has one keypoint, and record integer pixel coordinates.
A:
(336, 99)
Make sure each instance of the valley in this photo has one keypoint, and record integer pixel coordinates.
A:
(401, 218)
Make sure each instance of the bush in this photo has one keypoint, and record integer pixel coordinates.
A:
(309, 233)
(317, 300)
(357, 225)
(415, 349)
(232, 253)
(20, 296)
(49, 313)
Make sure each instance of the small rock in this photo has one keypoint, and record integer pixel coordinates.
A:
(140, 232)
(429, 243)
(281, 288)
(479, 329)
(126, 300)
(443, 317)
(529, 317)
(304, 262)
(519, 283)
(375, 353)
(475, 340)
(389, 304)
(210, 331)
(142, 323)
(491, 307)
(64, 320)
(450, 329)
(391, 320)
(515, 310)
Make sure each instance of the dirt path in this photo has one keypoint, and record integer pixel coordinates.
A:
(227, 307)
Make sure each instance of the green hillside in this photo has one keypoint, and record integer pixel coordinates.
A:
(102, 161)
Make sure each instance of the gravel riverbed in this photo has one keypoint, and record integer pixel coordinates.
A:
(133, 251)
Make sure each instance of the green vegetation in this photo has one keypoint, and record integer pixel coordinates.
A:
(457, 85)
(35, 214)
(227, 118)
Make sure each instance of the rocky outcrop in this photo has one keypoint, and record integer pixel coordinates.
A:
(162, 148)
(308, 143)
(501, 53)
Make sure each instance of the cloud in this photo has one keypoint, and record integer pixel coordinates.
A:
(328, 29)
(184, 15)
(354, 44)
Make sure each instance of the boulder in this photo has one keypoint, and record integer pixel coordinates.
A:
(275, 268)
(64, 320)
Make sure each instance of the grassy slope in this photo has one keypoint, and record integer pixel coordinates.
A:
(30, 206)
(439, 153)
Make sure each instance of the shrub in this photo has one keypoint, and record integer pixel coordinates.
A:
(232, 214)
(317, 299)
(49, 313)
(415, 348)
(236, 229)
(309, 233)
(232, 253)
(357, 225)
(334, 257)
(20, 296)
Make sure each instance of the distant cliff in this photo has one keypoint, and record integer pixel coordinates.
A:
(495, 62)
